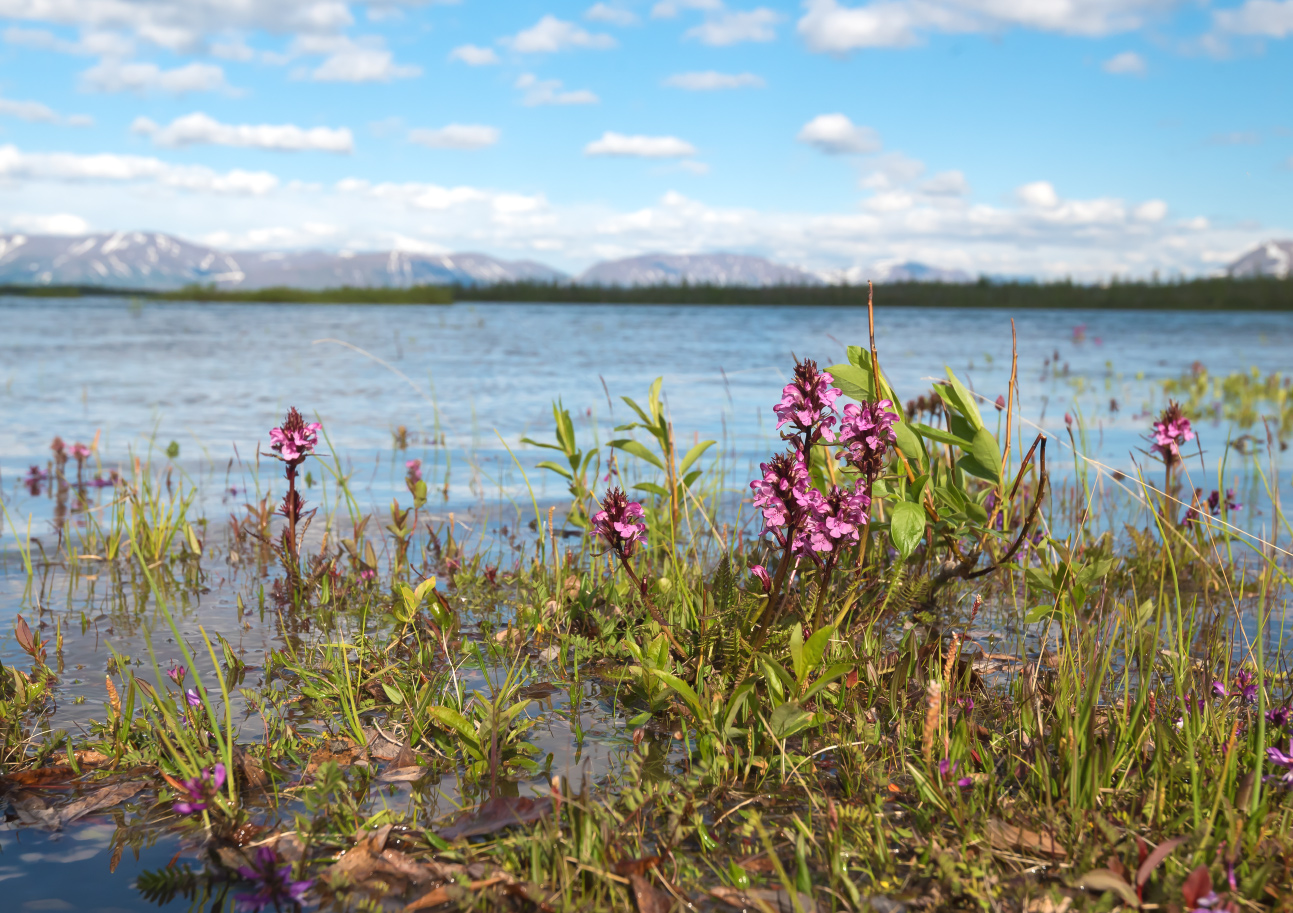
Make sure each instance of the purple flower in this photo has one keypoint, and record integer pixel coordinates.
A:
(1246, 682)
(866, 433)
(414, 468)
(761, 572)
(1278, 717)
(1280, 759)
(619, 523)
(199, 789)
(1219, 688)
(806, 402)
(833, 520)
(272, 881)
(966, 702)
(782, 493)
(78, 451)
(295, 439)
(176, 674)
(193, 697)
(1171, 431)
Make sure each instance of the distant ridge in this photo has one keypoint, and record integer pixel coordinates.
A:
(695, 269)
(1274, 258)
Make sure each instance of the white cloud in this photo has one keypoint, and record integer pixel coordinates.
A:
(200, 129)
(734, 27)
(350, 60)
(1262, 18)
(613, 143)
(668, 9)
(234, 49)
(38, 113)
(474, 56)
(550, 35)
(711, 80)
(827, 26)
(116, 76)
(837, 135)
(1128, 63)
(548, 92)
(70, 166)
(946, 184)
(611, 15)
(456, 136)
(1039, 194)
(1150, 211)
(58, 223)
(92, 43)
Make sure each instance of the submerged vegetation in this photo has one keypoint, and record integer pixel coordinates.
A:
(919, 675)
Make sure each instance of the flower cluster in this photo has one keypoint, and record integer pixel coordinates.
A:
(806, 404)
(619, 523)
(834, 519)
(1195, 514)
(866, 433)
(198, 790)
(947, 767)
(413, 472)
(1171, 431)
(782, 494)
(295, 439)
(272, 880)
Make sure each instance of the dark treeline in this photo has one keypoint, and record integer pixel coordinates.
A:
(1263, 294)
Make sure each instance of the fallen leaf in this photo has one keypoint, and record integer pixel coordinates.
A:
(763, 900)
(402, 774)
(496, 814)
(98, 800)
(649, 899)
(33, 810)
(761, 864)
(249, 769)
(406, 757)
(397, 863)
(381, 747)
(1101, 880)
(38, 777)
(1012, 836)
(434, 898)
(637, 866)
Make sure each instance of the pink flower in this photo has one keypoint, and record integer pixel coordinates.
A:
(199, 789)
(806, 403)
(834, 520)
(761, 572)
(176, 674)
(1171, 431)
(866, 433)
(78, 451)
(295, 439)
(414, 468)
(620, 523)
(782, 493)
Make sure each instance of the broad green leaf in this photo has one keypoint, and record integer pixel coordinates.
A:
(559, 470)
(693, 455)
(652, 488)
(534, 443)
(963, 400)
(815, 649)
(639, 450)
(789, 718)
(638, 409)
(937, 434)
(909, 442)
(984, 459)
(1040, 579)
(396, 697)
(796, 647)
(853, 381)
(453, 720)
(832, 673)
(690, 478)
(906, 526)
(685, 692)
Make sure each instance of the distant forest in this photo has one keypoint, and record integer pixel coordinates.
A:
(1261, 294)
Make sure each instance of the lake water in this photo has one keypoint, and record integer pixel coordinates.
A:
(467, 382)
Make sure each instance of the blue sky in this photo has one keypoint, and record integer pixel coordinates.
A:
(1088, 138)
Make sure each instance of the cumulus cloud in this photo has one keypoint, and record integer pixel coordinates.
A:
(200, 129)
(550, 35)
(353, 60)
(1259, 18)
(611, 15)
(711, 80)
(535, 92)
(90, 43)
(118, 76)
(57, 223)
(837, 135)
(37, 113)
(456, 136)
(946, 184)
(70, 166)
(828, 26)
(639, 146)
(1128, 63)
(727, 27)
(474, 56)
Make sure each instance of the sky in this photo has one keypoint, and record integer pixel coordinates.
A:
(1090, 139)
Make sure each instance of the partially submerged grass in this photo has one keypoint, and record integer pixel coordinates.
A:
(993, 700)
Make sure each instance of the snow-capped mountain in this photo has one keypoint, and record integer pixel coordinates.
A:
(695, 269)
(149, 260)
(1274, 258)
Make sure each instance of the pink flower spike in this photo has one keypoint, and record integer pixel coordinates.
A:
(761, 572)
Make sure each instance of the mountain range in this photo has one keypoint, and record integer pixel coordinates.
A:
(155, 261)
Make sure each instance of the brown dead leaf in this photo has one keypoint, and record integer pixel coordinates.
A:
(1015, 837)
(402, 774)
(406, 757)
(98, 800)
(382, 747)
(496, 814)
(396, 863)
(446, 893)
(649, 899)
(433, 898)
(761, 864)
(637, 866)
(765, 900)
(249, 769)
(39, 778)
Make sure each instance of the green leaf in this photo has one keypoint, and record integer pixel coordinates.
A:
(534, 443)
(797, 652)
(685, 692)
(984, 458)
(853, 381)
(639, 450)
(788, 719)
(963, 400)
(693, 455)
(652, 488)
(690, 478)
(906, 526)
(395, 695)
(451, 719)
(555, 467)
(815, 649)
(832, 673)
(942, 437)
(1101, 880)
(638, 409)
(909, 442)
